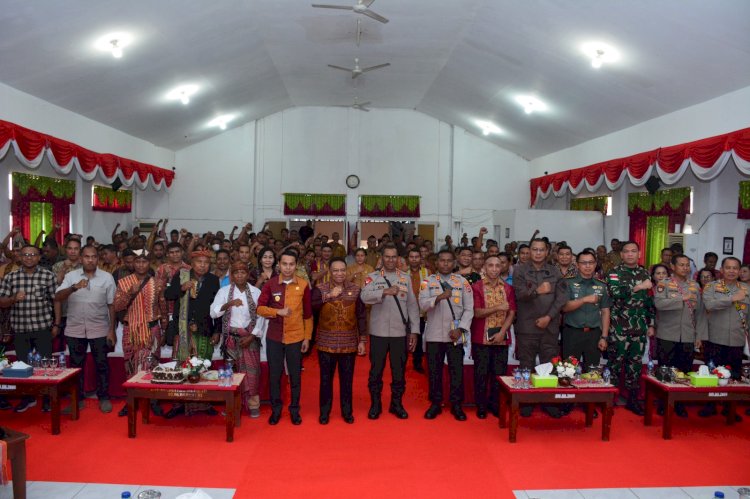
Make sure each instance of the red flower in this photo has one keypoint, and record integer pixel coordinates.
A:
(574, 361)
(556, 360)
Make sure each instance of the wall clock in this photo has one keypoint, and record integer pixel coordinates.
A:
(352, 181)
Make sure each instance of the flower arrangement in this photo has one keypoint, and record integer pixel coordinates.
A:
(564, 368)
(195, 366)
(723, 372)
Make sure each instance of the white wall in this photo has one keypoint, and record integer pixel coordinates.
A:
(41, 116)
(714, 117)
(246, 171)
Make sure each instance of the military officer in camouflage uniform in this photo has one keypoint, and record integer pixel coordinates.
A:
(448, 301)
(727, 301)
(586, 314)
(394, 314)
(679, 316)
(632, 316)
(541, 293)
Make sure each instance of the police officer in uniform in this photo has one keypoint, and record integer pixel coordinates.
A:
(632, 318)
(727, 302)
(394, 313)
(679, 315)
(448, 301)
(541, 293)
(587, 316)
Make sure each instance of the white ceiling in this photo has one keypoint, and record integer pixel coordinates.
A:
(457, 60)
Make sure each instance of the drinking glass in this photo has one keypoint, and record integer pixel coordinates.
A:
(45, 366)
(55, 366)
(526, 378)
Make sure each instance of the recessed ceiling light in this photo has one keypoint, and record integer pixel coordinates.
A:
(114, 43)
(221, 121)
(182, 93)
(530, 103)
(600, 53)
(488, 127)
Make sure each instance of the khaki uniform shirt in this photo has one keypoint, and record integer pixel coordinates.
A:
(439, 318)
(385, 319)
(88, 308)
(727, 320)
(679, 310)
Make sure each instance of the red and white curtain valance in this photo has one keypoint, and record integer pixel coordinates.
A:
(31, 147)
(706, 158)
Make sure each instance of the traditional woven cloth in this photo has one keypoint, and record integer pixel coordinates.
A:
(246, 360)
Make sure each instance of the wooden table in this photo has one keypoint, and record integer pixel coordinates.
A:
(141, 389)
(54, 386)
(17, 456)
(670, 393)
(601, 395)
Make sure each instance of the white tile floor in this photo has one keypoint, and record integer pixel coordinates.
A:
(730, 492)
(67, 490)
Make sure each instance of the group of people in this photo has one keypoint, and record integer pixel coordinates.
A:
(393, 298)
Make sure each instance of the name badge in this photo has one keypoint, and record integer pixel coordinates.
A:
(565, 396)
(718, 394)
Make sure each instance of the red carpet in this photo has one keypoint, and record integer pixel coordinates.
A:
(388, 457)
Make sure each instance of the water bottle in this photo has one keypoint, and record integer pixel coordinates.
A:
(606, 374)
(37, 359)
(650, 367)
(711, 367)
(30, 359)
(222, 377)
(63, 361)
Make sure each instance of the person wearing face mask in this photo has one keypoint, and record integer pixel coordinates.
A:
(266, 268)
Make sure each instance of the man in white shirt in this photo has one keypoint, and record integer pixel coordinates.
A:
(241, 330)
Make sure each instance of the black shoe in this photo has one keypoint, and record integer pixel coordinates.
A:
(747, 412)
(495, 411)
(526, 411)
(553, 412)
(175, 411)
(123, 412)
(566, 409)
(296, 418)
(5, 405)
(419, 368)
(156, 408)
(737, 417)
(212, 412)
(45, 406)
(635, 406)
(274, 418)
(323, 419)
(349, 419)
(481, 413)
(679, 409)
(433, 411)
(707, 411)
(375, 409)
(458, 413)
(398, 410)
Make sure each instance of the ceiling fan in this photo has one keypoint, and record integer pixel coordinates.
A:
(356, 70)
(361, 7)
(359, 106)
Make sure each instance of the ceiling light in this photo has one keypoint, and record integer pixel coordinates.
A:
(221, 121)
(114, 43)
(488, 127)
(530, 103)
(182, 93)
(600, 53)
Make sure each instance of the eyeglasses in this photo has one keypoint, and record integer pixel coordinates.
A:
(29, 255)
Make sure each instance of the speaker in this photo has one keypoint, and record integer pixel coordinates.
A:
(653, 184)
(116, 184)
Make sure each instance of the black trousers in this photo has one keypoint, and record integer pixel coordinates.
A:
(328, 362)
(583, 345)
(490, 361)
(675, 354)
(380, 347)
(77, 347)
(528, 346)
(723, 355)
(436, 353)
(277, 353)
(41, 340)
